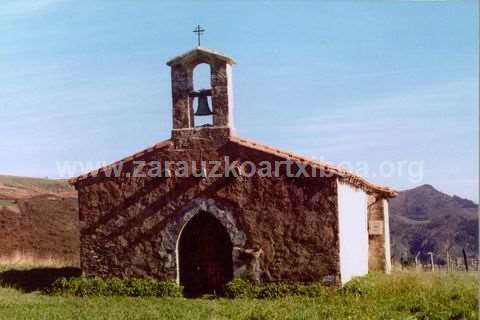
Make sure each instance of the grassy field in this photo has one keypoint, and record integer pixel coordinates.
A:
(377, 296)
(27, 182)
(12, 187)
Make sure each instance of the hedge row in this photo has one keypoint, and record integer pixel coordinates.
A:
(132, 287)
(240, 288)
(147, 287)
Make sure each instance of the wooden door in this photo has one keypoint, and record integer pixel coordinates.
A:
(205, 256)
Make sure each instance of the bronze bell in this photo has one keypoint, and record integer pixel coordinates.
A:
(203, 109)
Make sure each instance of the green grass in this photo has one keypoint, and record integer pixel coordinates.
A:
(5, 203)
(376, 296)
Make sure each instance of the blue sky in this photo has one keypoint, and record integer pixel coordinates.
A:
(357, 81)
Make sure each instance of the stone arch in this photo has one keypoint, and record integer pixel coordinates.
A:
(202, 80)
(198, 59)
(173, 230)
(202, 70)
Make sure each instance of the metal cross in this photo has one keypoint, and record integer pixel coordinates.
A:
(198, 30)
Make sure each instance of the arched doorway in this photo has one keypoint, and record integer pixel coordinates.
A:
(205, 256)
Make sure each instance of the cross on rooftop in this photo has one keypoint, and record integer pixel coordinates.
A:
(198, 30)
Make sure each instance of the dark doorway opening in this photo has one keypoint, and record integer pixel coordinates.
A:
(205, 254)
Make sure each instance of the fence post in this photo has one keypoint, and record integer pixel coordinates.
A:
(431, 261)
(448, 262)
(465, 259)
(416, 261)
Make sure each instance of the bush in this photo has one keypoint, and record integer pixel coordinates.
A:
(313, 290)
(240, 288)
(276, 290)
(132, 287)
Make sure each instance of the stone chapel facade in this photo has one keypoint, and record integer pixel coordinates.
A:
(203, 231)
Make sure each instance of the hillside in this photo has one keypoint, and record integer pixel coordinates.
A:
(425, 219)
(23, 187)
(38, 221)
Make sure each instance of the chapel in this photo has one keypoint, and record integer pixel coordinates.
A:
(206, 206)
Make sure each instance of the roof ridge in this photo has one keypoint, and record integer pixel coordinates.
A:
(220, 55)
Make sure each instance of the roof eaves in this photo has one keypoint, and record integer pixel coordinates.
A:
(199, 50)
(95, 173)
(342, 174)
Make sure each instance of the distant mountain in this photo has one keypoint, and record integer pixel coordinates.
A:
(425, 220)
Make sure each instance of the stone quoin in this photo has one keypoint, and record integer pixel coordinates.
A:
(203, 231)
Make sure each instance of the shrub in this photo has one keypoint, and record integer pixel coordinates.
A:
(240, 288)
(276, 290)
(133, 287)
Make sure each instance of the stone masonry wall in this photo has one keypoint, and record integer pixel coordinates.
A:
(376, 242)
(281, 228)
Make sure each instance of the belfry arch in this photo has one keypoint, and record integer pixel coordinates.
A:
(201, 96)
